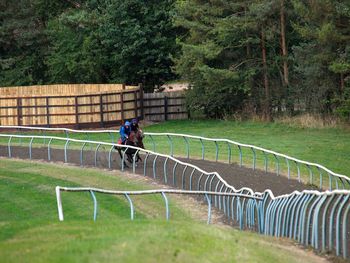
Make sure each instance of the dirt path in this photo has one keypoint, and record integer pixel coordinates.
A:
(257, 180)
(234, 175)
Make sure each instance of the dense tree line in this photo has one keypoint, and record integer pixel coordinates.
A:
(257, 56)
(266, 55)
(92, 41)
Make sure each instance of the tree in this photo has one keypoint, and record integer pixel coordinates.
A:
(323, 59)
(238, 40)
(23, 42)
(207, 58)
(76, 54)
(139, 38)
(75, 41)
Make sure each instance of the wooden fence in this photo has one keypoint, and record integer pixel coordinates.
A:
(164, 106)
(77, 106)
(86, 105)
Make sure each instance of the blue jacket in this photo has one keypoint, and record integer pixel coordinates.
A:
(124, 132)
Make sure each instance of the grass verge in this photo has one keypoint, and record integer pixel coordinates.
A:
(30, 231)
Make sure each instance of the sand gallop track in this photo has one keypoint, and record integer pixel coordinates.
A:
(233, 174)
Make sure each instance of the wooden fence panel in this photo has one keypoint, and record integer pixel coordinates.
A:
(92, 105)
(83, 106)
(164, 106)
(61, 89)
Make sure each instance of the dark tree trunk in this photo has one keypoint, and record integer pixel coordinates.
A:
(284, 49)
(342, 85)
(267, 107)
(284, 46)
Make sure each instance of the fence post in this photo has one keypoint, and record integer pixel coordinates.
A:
(135, 104)
(19, 111)
(47, 112)
(77, 112)
(122, 104)
(209, 208)
(101, 110)
(141, 101)
(59, 204)
(165, 108)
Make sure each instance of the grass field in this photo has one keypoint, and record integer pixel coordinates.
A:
(30, 231)
(327, 146)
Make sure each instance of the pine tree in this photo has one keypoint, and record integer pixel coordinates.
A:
(323, 58)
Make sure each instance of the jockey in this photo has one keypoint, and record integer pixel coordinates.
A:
(134, 125)
(124, 132)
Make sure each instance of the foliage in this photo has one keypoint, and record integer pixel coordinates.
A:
(206, 58)
(266, 57)
(244, 38)
(323, 58)
(23, 43)
(86, 42)
(221, 52)
(139, 39)
(76, 55)
(343, 109)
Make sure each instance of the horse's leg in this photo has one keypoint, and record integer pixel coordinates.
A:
(130, 158)
(138, 157)
(120, 152)
(121, 156)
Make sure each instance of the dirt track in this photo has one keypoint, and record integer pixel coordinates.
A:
(233, 174)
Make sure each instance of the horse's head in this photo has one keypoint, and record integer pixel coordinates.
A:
(136, 138)
(139, 138)
(140, 135)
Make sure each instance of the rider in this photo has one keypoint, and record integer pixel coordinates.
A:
(134, 125)
(124, 132)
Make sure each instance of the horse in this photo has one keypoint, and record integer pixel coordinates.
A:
(134, 139)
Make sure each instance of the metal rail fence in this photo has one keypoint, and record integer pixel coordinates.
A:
(315, 173)
(202, 179)
(319, 219)
(252, 210)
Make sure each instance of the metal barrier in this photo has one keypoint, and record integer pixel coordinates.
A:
(319, 219)
(208, 181)
(301, 216)
(314, 171)
(250, 221)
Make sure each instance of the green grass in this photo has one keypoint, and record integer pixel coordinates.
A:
(327, 146)
(30, 231)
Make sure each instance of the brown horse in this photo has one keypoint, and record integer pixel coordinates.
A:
(134, 139)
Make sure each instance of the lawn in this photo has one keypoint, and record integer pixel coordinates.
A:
(329, 147)
(30, 230)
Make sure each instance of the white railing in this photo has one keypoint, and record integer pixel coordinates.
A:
(112, 146)
(335, 180)
(296, 215)
(163, 192)
(301, 216)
